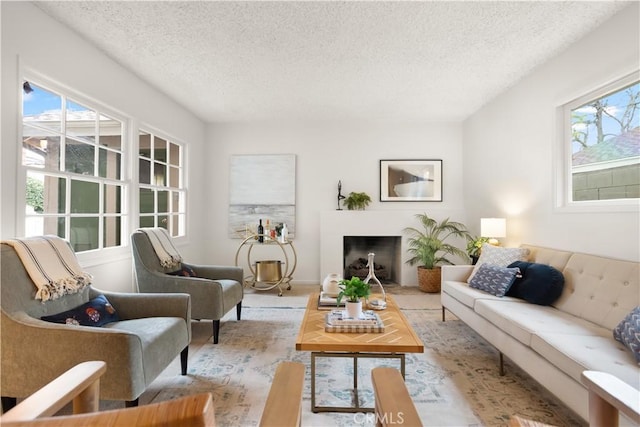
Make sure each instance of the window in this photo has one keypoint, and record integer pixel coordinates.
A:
(160, 176)
(72, 153)
(603, 153)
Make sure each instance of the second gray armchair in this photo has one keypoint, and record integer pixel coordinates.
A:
(214, 289)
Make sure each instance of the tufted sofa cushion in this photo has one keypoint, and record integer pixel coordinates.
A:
(553, 257)
(601, 290)
(575, 353)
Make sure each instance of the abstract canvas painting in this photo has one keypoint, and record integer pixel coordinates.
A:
(262, 187)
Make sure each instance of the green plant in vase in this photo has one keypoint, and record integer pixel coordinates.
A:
(353, 290)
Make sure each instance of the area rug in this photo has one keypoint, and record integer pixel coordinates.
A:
(455, 382)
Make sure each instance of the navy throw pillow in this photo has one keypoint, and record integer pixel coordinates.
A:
(540, 283)
(186, 271)
(628, 332)
(96, 312)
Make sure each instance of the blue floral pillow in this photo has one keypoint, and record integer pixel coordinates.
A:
(494, 279)
(96, 312)
(628, 332)
(186, 271)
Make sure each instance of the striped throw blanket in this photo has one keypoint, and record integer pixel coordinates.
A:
(163, 247)
(51, 264)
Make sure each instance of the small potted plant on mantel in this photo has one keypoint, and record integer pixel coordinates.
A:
(354, 290)
(357, 201)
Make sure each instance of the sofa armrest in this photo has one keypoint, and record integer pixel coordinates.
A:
(456, 273)
(137, 306)
(218, 272)
(609, 395)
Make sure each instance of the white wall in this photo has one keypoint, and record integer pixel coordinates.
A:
(326, 153)
(32, 40)
(509, 148)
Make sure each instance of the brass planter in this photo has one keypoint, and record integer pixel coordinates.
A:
(268, 271)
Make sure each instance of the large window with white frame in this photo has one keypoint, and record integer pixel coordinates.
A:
(602, 146)
(72, 154)
(162, 192)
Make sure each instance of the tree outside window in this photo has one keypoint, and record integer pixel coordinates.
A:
(605, 146)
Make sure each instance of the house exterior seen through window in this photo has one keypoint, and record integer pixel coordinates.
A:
(605, 144)
(161, 185)
(72, 154)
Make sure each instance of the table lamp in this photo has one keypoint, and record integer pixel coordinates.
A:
(493, 228)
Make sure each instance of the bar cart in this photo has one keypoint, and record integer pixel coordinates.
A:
(267, 274)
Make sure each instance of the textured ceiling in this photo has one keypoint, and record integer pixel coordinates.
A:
(239, 61)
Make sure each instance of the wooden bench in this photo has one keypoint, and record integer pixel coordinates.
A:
(284, 402)
(81, 385)
(609, 397)
(393, 404)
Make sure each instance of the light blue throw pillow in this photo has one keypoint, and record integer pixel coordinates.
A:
(628, 332)
(494, 279)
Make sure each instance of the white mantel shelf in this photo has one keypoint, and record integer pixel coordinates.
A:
(334, 225)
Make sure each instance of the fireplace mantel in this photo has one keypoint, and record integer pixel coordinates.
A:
(334, 225)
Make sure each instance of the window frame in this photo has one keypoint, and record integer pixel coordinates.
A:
(92, 256)
(181, 213)
(563, 183)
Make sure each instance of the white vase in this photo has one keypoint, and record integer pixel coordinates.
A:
(354, 309)
(330, 284)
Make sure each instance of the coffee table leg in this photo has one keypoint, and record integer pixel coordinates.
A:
(313, 383)
(356, 403)
(355, 356)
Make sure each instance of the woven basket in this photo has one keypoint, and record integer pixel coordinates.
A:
(429, 280)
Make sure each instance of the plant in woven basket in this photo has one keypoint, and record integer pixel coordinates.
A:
(429, 248)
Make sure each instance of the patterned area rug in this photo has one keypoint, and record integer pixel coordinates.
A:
(454, 383)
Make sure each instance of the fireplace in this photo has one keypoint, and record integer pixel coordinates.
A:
(386, 261)
(336, 225)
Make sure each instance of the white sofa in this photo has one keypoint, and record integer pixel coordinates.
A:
(555, 344)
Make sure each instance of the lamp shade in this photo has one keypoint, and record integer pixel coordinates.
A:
(493, 227)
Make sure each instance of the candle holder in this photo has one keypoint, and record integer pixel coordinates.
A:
(378, 298)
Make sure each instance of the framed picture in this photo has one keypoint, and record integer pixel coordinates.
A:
(410, 180)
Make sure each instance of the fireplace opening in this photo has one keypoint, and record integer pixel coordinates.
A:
(386, 261)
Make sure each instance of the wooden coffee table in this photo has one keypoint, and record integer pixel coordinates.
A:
(397, 339)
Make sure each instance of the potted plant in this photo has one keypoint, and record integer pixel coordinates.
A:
(357, 201)
(353, 290)
(429, 249)
(474, 247)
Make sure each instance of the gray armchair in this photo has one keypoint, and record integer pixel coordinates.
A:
(214, 291)
(152, 330)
